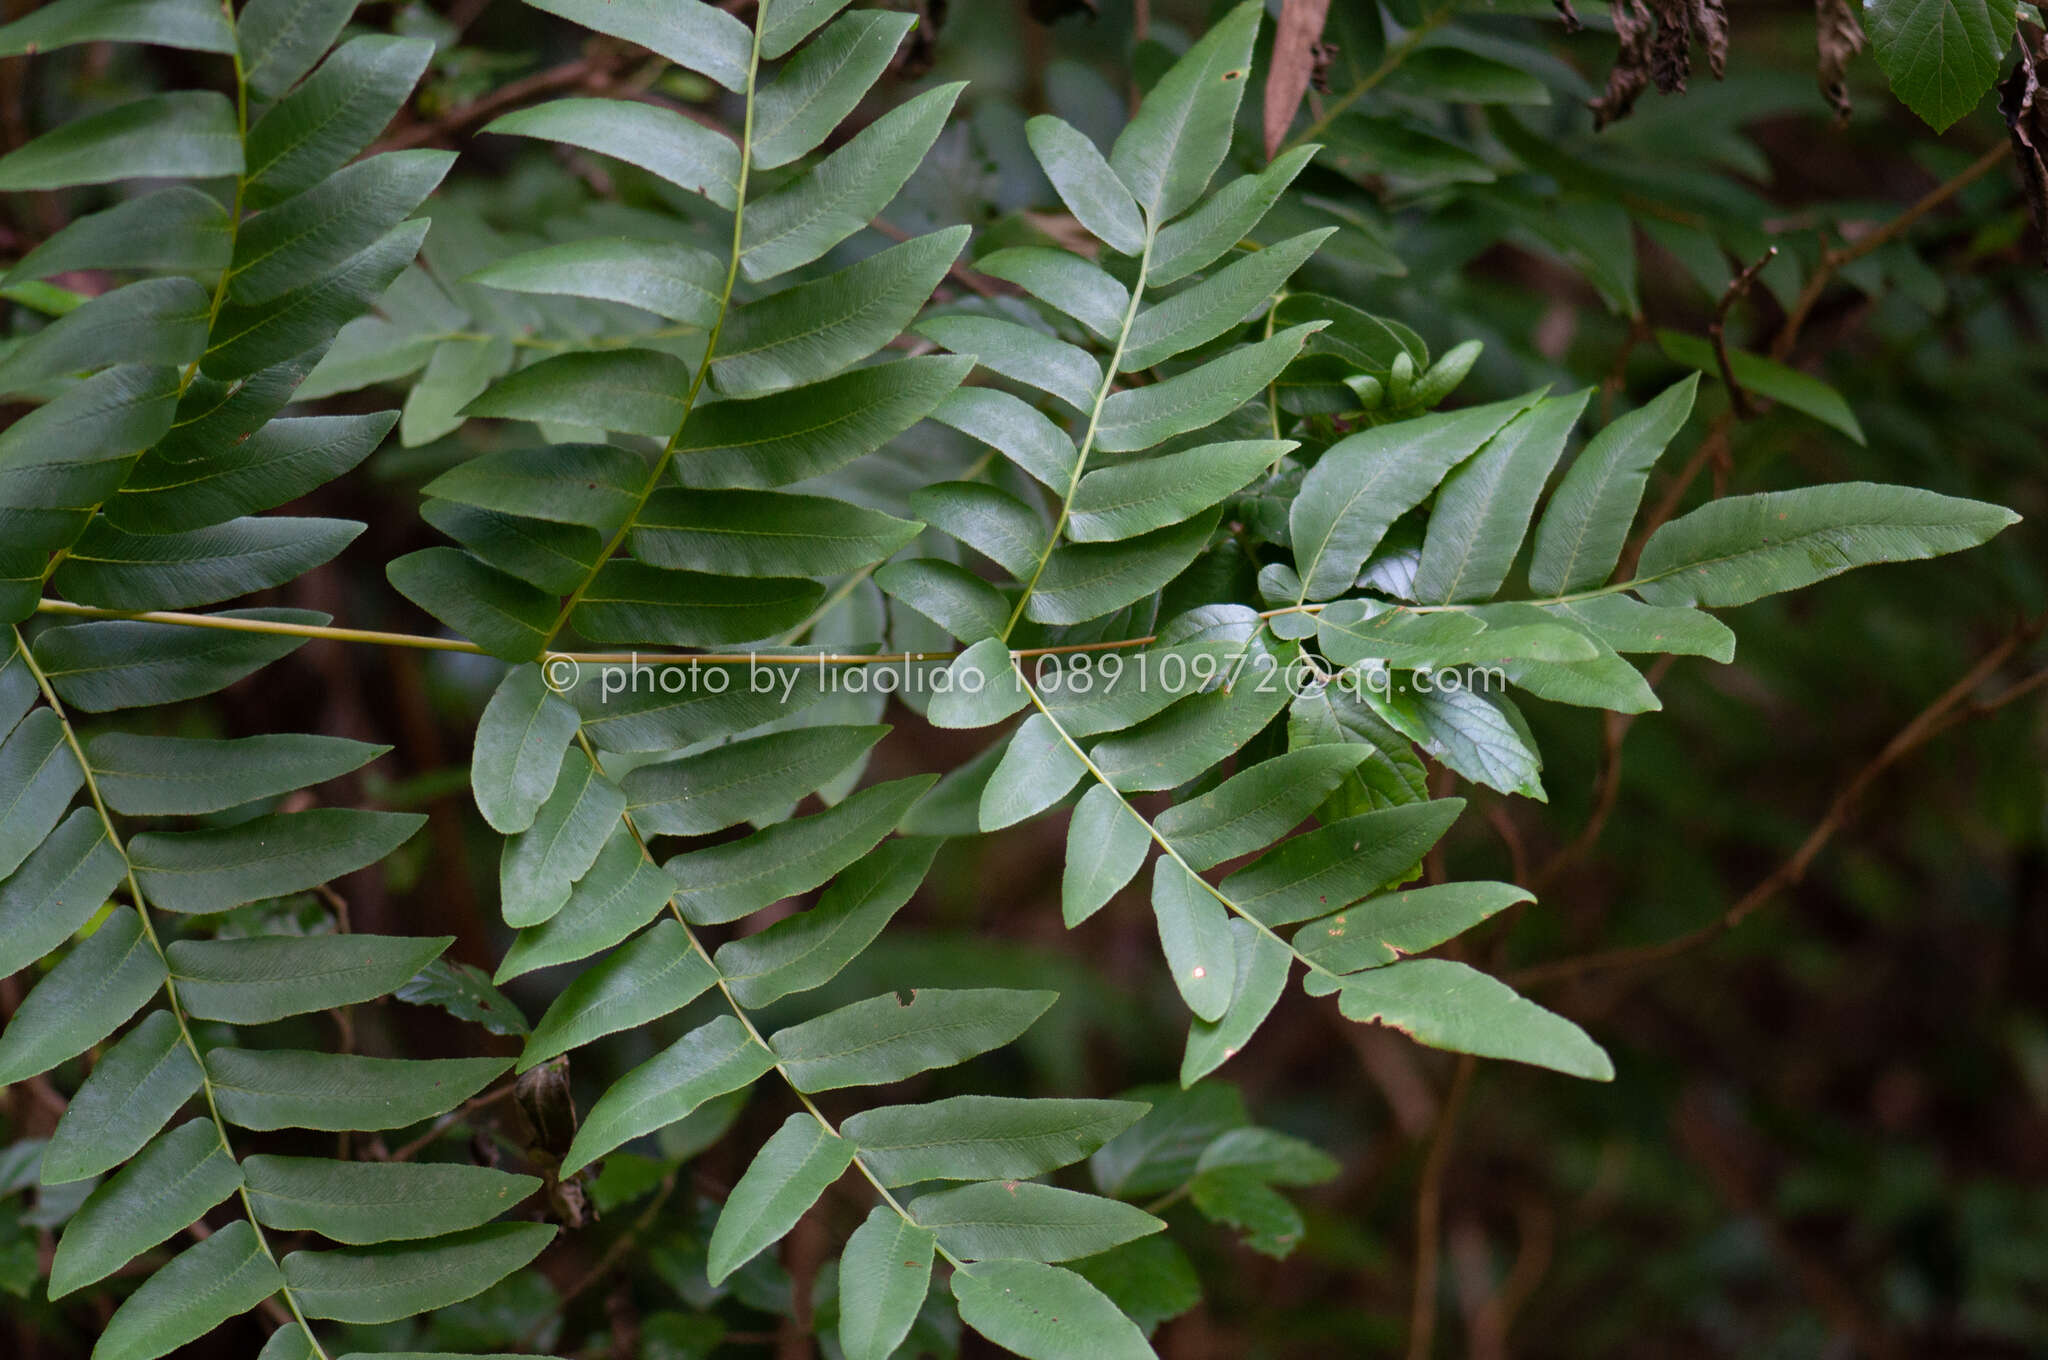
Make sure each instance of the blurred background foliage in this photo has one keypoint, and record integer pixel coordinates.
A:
(1829, 1130)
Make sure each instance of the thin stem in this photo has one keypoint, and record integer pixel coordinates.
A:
(220, 288)
(831, 602)
(1715, 447)
(427, 642)
(1832, 262)
(739, 1012)
(613, 1254)
(1952, 706)
(1429, 1215)
(177, 1008)
(656, 473)
(424, 642)
(1717, 331)
(1273, 387)
(1166, 1201)
(1116, 358)
(269, 627)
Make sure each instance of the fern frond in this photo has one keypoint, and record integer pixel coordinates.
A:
(696, 545)
(137, 485)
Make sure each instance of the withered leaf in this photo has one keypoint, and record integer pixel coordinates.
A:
(1294, 65)
(1634, 27)
(541, 1094)
(1656, 48)
(1840, 36)
(2025, 107)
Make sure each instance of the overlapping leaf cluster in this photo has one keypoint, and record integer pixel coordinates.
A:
(679, 532)
(1379, 555)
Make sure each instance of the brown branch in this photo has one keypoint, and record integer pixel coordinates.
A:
(271, 1308)
(449, 1120)
(1717, 331)
(1429, 1215)
(804, 1250)
(1833, 261)
(29, 1092)
(1537, 1227)
(1511, 839)
(1617, 374)
(606, 1262)
(1714, 448)
(1389, 1061)
(1607, 785)
(957, 271)
(591, 73)
(1951, 707)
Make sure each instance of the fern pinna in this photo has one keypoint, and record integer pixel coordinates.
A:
(1206, 538)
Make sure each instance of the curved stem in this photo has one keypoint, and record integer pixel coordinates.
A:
(141, 906)
(1273, 387)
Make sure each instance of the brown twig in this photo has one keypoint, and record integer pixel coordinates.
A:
(1714, 448)
(605, 1262)
(957, 271)
(1617, 373)
(1951, 707)
(592, 72)
(1833, 261)
(804, 1250)
(1537, 1227)
(1510, 838)
(271, 1307)
(1390, 1061)
(30, 1091)
(1607, 785)
(1717, 331)
(448, 1121)
(1429, 1215)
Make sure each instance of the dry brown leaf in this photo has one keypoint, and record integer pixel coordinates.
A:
(1840, 35)
(1710, 21)
(2025, 106)
(1635, 27)
(1295, 52)
(1656, 47)
(1671, 49)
